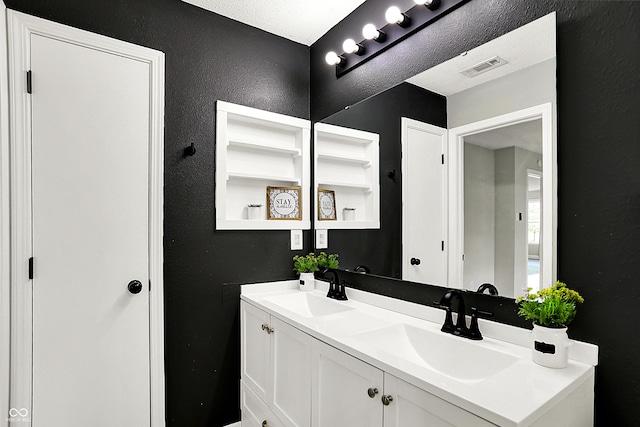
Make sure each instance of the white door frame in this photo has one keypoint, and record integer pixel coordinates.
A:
(5, 259)
(406, 124)
(20, 29)
(548, 234)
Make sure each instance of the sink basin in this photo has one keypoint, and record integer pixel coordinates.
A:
(458, 358)
(308, 305)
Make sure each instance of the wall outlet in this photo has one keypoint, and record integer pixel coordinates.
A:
(296, 240)
(322, 239)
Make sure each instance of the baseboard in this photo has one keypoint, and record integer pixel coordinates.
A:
(238, 424)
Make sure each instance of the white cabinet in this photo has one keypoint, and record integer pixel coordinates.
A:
(256, 149)
(345, 390)
(346, 161)
(275, 370)
(348, 392)
(412, 406)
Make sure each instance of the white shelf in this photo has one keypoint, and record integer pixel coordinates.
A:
(265, 146)
(343, 159)
(269, 178)
(347, 162)
(363, 187)
(256, 149)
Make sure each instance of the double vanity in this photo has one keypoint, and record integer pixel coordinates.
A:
(308, 360)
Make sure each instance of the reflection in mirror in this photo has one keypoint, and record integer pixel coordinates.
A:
(502, 173)
(466, 208)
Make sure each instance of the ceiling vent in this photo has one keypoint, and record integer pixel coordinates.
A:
(484, 66)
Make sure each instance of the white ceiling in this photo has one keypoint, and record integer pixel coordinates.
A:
(526, 135)
(303, 21)
(522, 48)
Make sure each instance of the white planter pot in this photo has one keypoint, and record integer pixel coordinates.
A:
(254, 212)
(550, 346)
(307, 282)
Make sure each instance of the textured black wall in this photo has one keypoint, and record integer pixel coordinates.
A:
(598, 155)
(381, 250)
(208, 57)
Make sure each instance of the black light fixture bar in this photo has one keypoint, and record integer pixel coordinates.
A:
(420, 15)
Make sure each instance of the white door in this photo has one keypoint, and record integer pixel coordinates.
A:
(90, 189)
(424, 226)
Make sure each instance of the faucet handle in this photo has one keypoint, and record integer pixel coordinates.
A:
(474, 331)
(341, 293)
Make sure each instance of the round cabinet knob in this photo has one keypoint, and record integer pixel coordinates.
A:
(415, 261)
(372, 392)
(386, 399)
(135, 287)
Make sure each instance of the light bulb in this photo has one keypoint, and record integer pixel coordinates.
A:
(370, 32)
(394, 15)
(431, 4)
(350, 46)
(332, 58)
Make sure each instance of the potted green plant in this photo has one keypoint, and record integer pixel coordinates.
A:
(305, 266)
(551, 310)
(327, 261)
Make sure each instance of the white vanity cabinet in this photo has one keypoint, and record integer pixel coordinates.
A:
(275, 371)
(310, 363)
(349, 392)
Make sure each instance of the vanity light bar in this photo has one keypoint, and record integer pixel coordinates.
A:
(400, 25)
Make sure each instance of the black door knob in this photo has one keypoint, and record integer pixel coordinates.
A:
(135, 287)
(415, 261)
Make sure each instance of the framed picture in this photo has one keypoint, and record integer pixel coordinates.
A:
(326, 205)
(284, 203)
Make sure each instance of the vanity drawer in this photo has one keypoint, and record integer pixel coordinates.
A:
(255, 412)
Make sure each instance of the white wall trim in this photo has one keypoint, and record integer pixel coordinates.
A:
(548, 236)
(20, 29)
(5, 231)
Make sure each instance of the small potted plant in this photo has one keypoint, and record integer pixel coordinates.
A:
(305, 266)
(328, 261)
(551, 310)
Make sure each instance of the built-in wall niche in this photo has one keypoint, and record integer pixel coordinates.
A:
(256, 149)
(346, 161)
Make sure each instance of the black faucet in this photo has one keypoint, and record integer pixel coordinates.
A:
(336, 288)
(487, 287)
(362, 269)
(460, 328)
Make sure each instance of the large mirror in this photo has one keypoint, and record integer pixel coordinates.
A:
(467, 170)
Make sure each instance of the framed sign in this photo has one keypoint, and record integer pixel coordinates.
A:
(326, 205)
(284, 203)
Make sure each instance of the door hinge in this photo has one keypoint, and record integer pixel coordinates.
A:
(31, 268)
(443, 245)
(29, 82)
(443, 159)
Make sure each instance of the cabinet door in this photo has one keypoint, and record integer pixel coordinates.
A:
(255, 350)
(340, 385)
(290, 396)
(412, 407)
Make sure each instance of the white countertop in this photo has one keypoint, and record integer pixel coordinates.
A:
(515, 396)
